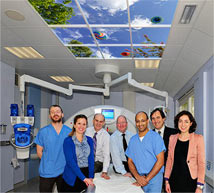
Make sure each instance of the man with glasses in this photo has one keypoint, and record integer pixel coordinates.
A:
(118, 144)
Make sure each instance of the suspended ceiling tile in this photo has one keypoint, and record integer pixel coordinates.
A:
(38, 36)
(24, 8)
(192, 60)
(171, 52)
(145, 75)
(164, 70)
(10, 39)
(179, 11)
(178, 35)
(57, 52)
(205, 21)
(200, 42)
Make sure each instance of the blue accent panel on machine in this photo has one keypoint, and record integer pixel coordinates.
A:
(22, 134)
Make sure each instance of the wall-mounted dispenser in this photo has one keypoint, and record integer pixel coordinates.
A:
(22, 138)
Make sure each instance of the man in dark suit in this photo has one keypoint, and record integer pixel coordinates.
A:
(158, 118)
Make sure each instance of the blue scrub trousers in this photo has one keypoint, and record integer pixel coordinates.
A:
(155, 184)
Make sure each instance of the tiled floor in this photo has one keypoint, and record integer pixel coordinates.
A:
(31, 186)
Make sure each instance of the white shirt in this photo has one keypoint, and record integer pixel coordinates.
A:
(161, 130)
(103, 146)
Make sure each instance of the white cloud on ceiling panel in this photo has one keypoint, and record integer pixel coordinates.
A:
(57, 32)
(141, 21)
(106, 53)
(112, 6)
(73, 34)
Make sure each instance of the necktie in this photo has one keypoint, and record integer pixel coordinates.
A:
(124, 142)
(95, 143)
(159, 132)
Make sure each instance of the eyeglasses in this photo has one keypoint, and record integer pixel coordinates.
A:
(122, 123)
(55, 112)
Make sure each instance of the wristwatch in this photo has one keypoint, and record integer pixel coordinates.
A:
(200, 186)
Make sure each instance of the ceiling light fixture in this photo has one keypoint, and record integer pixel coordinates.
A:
(14, 15)
(25, 52)
(149, 84)
(147, 64)
(187, 14)
(62, 78)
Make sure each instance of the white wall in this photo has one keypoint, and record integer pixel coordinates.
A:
(145, 102)
(82, 100)
(7, 79)
(78, 101)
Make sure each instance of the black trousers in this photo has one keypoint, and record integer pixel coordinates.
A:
(46, 184)
(98, 167)
(79, 185)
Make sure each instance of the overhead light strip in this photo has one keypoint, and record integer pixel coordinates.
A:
(147, 64)
(25, 52)
(62, 78)
(149, 84)
(187, 14)
(14, 52)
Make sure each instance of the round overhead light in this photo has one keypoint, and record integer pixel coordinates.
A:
(106, 71)
(14, 15)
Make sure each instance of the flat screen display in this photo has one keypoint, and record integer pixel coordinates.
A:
(108, 113)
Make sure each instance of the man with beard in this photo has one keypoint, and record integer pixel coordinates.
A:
(146, 155)
(49, 148)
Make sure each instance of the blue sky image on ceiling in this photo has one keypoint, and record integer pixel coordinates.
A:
(110, 29)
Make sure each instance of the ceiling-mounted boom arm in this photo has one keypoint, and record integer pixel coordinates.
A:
(29, 79)
(136, 84)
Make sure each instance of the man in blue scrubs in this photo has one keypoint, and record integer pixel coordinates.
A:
(49, 147)
(146, 155)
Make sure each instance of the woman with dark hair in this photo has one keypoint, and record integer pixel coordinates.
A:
(79, 155)
(185, 166)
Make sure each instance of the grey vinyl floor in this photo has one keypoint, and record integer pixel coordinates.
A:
(31, 186)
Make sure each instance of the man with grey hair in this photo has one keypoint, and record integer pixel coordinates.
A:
(101, 140)
(118, 144)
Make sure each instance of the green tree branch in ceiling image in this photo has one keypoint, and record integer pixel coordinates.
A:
(80, 51)
(53, 13)
(145, 51)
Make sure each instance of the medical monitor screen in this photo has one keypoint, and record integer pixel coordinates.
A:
(108, 113)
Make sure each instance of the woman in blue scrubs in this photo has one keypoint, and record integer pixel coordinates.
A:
(78, 150)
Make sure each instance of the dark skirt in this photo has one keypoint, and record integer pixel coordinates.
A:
(79, 185)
